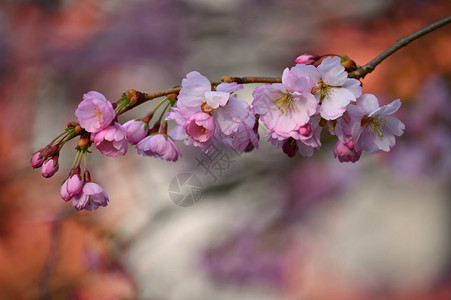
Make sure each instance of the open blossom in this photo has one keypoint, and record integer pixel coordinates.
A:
(95, 112)
(91, 197)
(135, 130)
(246, 137)
(202, 112)
(376, 128)
(50, 167)
(333, 89)
(160, 146)
(304, 139)
(112, 141)
(287, 106)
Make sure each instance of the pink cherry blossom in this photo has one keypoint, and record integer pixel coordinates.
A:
(246, 137)
(160, 146)
(202, 112)
(135, 130)
(37, 160)
(112, 141)
(287, 106)
(95, 112)
(50, 167)
(200, 127)
(333, 89)
(91, 197)
(306, 138)
(376, 128)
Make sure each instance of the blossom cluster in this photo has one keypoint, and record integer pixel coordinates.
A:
(314, 96)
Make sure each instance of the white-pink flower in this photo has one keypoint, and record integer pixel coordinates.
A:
(160, 146)
(374, 126)
(333, 89)
(112, 141)
(95, 112)
(92, 196)
(287, 106)
(245, 138)
(202, 112)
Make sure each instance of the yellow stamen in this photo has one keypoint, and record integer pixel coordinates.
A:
(285, 102)
(98, 112)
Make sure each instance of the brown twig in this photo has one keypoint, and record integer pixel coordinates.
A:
(360, 72)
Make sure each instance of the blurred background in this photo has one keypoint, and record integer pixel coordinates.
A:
(269, 227)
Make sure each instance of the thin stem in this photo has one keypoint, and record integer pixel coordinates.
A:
(164, 110)
(77, 156)
(360, 72)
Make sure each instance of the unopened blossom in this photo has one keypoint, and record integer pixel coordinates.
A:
(37, 160)
(346, 152)
(112, 141)
(95, 112)
(92, 196)
(286, 106)
(305, 59)
(74, 184)
(200, 127)
(50, 167)
(376, 127)
(160, 146)
(135, 130)
(63, 192)
(333, 89)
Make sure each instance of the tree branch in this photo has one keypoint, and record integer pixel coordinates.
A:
(360, 72)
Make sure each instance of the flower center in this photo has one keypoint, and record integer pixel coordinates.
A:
(98, 112)
(285, 102)
(373, 125)
(206, 108)
(322, 88)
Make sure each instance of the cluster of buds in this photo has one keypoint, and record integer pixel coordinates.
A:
(313, 95)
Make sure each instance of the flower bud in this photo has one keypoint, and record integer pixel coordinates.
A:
(135, 130)
(37, 160)
(305, 59)
(290, 147)
(63, 192)
(50, 167)
(74, 185)
(346, 152)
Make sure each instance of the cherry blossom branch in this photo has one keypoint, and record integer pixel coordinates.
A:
(140, 98)
(360, 72)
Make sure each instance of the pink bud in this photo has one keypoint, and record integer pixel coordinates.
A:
(345, 153)
(200, 127)
(136, 130)
(50, 167)
(37, 160)
(305, 59)
(63, 192)
(74, 185)
(305, 130)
